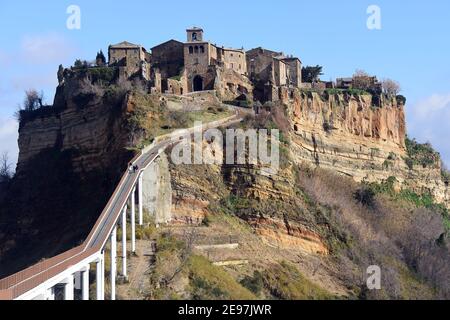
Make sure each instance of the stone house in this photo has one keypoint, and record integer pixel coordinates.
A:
(132, 59)
(269, 70)
(167, 62)
(204, 62)
(177, 67)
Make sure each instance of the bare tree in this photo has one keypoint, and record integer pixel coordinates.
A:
(359, 73)
(33, 100)
(362, 80)
(5, 167)
(391, 87)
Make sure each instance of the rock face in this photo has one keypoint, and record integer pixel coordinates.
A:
(157, 190)
(79, 120)
(288, 235)
(349, 135)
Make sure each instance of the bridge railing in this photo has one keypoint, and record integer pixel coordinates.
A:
(23, 281)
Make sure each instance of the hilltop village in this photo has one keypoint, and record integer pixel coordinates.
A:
(176, 67)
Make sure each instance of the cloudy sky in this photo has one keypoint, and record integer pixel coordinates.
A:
(412, 45)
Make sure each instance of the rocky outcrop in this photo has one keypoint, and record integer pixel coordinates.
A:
(288, 235)
(348, 134)
(82, 120)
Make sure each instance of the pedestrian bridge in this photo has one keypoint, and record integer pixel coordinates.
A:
(70, 270)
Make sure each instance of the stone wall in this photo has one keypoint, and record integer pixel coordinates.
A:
(157, 190)
(234, 60)
(168, 57)
(131, 58)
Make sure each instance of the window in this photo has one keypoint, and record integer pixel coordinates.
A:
(194, 36)
(196, 49)
(191, 50)
(202, 49)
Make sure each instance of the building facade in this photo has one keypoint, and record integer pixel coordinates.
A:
(131, 59)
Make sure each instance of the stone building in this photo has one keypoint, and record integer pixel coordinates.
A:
(131, 59)
(269, 70)
(203, 60)
(176, 67)
(167, 62)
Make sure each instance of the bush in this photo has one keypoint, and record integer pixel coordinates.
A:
(284, 281)
(365, 196)
(254, 283)
(401, 99)
(209, 282)
(421, 154)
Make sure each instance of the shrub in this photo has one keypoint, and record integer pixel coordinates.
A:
(254, 283)
(365, 196)
(401, 99)
(284, 281)
(421, 154)
(211, 282)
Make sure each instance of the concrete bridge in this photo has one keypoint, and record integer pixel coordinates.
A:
(70, 270)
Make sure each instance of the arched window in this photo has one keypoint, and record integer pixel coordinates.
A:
(202, 49)
(194, 36)
(196, 49)
(191, 50)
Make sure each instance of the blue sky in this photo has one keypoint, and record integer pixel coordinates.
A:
(412, 46)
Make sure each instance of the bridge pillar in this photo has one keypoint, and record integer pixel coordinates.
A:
(140, 199)
(77, 277)
(133, 223)
(113, 262)
(85, 284)
(99, 277)
(68, 288)
(50, 293)
(124, 241)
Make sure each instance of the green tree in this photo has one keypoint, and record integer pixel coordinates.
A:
(311, 73)
(100, 59)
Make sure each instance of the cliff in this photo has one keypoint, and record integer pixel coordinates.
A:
(83, 118)
(349, 134)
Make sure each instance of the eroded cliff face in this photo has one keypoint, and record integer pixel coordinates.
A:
(157, 190)
(347, 134)
(87, 122)
(273, 205)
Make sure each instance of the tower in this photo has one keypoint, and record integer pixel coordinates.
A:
(194, 34)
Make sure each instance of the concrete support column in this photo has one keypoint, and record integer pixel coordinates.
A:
(77, 277)
(68, 288)
(85, 284)
(50, 293)
(133, 223)
(99, 278)
(141, 220)
(124, 241)
(113, 262)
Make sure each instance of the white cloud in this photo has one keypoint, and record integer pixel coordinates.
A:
(429, 120)
(47, 48)
(8, 138)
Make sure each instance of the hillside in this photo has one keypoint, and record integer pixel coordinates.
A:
(352, 191)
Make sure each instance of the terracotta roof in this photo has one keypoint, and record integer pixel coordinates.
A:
(169, 41)
(194, 29)
(125, 44)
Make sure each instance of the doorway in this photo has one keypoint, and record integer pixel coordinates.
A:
(198, 83)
